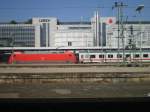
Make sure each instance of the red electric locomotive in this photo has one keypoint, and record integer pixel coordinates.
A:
(66, 57)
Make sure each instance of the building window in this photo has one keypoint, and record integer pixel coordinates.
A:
(145, 55)
(79, 28)
(110, 56)
(69, 43)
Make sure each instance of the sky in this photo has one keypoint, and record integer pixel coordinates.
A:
(69, 10)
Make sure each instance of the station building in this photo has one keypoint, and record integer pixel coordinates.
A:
(55, 33)
(97, 32)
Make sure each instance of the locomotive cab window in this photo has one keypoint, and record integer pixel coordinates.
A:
(110, 56)
(92, 56)
(145, 55)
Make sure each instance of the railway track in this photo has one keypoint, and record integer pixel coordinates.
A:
(52, 65)
(74, 75)
(74, 65)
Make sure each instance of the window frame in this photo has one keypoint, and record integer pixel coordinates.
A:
(110, 55)
(145, 56)
(92, 56)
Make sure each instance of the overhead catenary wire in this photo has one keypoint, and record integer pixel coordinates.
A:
(67, 7)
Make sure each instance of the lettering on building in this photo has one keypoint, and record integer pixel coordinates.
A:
(44, 20)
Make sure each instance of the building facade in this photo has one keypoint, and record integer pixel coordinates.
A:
(98, 32)
(136, 33)
(48, 27)
(77, 34)
(19, 35)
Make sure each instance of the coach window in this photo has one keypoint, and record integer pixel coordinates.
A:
(82, 56)
(127, 55)
(119, 55)
(101, 56)
(145, 55)
(92, 56)
(136, 56)
(86, 56)
(110, 56)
